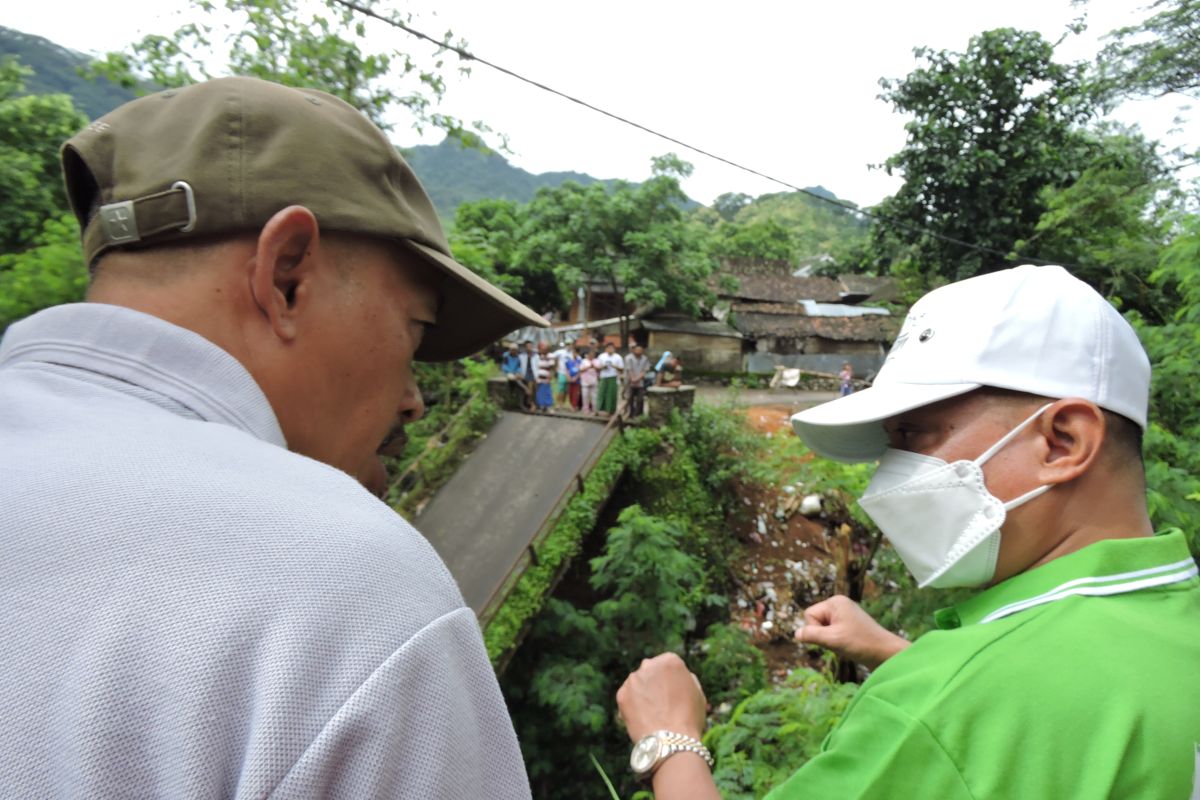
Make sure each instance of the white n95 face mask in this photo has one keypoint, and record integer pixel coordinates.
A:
(940, 517)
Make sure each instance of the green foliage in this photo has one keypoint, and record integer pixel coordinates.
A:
(564, 542)
(729, 204)
(1157, 56)
(729, 665)
(331, 51)
(487, 237)
(632, 239)
(812, 227)
(49, 272)
(460, 410)
(652, 586)
(992, 129)
(32, 127)
(1172, 445)
(1111, 222)
(768, 239)
(649, 584)
(563, 702)
(775, 732)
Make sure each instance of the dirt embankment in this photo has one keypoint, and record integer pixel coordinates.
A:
(796, 550)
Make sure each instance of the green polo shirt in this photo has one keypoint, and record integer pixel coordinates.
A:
(1077, 679)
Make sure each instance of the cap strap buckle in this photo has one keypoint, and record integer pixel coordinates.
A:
(143, 217)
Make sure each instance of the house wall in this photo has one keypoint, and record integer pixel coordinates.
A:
(817, 345)
(863, 364)
(697, 352)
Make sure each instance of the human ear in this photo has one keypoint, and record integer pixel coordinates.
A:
(282, 267)
(1071, 434)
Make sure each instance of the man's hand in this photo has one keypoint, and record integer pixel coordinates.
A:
(840, 625)
(662, 695)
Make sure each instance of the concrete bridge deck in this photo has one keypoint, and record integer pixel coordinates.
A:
(483, 519)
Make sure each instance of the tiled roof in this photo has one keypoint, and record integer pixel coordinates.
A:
(873, 328)
(786, 289)
(877, 290)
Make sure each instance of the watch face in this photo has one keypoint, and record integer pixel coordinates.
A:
(645, 753)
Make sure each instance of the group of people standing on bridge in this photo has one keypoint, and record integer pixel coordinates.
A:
(587, 379)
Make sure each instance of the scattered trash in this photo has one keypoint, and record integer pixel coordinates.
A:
(810, 505)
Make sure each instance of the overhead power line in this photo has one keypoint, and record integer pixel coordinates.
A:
(846, 206)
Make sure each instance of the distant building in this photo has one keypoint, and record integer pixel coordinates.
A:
(811, 322)
(773, 318)
(702, 345)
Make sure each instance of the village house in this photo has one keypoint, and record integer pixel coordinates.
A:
(814, 323)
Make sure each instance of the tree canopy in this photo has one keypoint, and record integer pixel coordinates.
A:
(992, 128)
(331, 50)
(1158, 56)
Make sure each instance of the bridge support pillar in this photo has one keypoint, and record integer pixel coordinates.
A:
(504, 393)
(660, 400)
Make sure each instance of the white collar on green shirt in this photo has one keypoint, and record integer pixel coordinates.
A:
(1109, 567)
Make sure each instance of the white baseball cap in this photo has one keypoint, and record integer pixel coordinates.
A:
(1030, 329)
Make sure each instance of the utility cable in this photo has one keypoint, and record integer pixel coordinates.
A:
(845, 206)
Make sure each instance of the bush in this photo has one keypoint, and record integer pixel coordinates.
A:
(460, 411)
(728, 665)
(50, 272)
(775, 732)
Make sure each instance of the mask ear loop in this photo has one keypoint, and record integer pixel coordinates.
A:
(998, 446)
(1008, 437)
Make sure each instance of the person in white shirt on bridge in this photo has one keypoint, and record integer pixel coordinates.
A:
(611, 365)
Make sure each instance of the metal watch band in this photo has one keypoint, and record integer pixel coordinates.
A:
(678, 743)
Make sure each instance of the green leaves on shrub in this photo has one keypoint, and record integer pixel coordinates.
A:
(775, 732)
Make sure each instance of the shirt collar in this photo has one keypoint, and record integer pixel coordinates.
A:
(149, 352)
(1108, 567)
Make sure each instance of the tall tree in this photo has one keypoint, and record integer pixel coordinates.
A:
(632, 239)
(1112, 223)
(730, 203)
(487, 237)
(286, 42)
(992, 128)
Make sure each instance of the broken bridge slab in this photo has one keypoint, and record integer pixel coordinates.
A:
(483, 519)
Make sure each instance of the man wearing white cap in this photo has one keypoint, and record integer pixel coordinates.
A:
(1007, 423)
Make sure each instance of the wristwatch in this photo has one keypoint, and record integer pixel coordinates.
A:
(655, 748)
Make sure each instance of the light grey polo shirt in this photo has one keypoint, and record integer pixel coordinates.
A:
(188, 609)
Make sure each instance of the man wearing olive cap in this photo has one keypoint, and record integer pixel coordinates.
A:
(1007, 423)
(199, 596)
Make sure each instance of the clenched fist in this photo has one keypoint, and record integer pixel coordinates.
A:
(840, 625)
(662, 695)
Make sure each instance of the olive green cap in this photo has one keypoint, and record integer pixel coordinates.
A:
(225, 155)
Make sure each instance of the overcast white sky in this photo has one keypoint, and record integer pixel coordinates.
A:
(788, 88)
